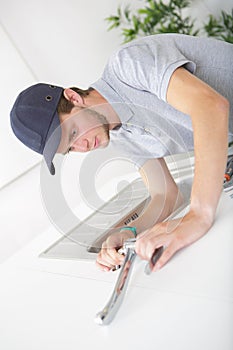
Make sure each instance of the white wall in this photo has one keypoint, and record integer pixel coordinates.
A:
(61, 42)
(57, 41)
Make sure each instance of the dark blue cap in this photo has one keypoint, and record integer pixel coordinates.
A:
(35, 121)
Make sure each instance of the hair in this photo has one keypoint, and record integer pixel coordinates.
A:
(65, 106)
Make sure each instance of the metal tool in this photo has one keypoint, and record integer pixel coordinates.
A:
(105, 316)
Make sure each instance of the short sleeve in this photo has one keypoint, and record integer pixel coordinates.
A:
(149, 64)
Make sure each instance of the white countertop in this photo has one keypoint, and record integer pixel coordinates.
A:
(51, 304)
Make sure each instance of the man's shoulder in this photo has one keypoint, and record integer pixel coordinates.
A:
(155, 39)
(170, 40)
(152, 45)
(134, 50)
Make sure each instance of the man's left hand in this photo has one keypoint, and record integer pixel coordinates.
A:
(172, 235)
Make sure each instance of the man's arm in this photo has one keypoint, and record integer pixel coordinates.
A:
(165, 198)
(209, 113)
(165, 195)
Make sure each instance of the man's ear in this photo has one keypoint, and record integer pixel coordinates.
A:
(73, 97)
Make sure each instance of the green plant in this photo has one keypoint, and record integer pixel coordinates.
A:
(222, 27)
(159, 17)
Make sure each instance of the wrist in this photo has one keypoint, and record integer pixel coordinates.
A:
(205, 216)
(130, 229)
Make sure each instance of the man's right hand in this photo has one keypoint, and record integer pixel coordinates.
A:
(109, 257)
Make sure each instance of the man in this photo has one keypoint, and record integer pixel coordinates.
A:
(160, 95)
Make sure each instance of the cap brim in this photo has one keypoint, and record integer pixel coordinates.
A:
(52, 143)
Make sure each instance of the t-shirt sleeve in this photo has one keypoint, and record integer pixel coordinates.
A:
(149, 66)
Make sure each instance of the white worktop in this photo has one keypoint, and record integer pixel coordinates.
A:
(51, 304)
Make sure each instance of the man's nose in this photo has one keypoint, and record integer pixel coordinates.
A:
(80, 145)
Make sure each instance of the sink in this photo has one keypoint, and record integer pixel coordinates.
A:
(83, 241)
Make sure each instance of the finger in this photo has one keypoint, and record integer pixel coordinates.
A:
(145, 248)
(176, 243)
(115, 256)
(101, 263)
(153, 235)
(165, 257)
(102, 267)
(101, 260)
(111, 257)
(105, 259)
(111, 254)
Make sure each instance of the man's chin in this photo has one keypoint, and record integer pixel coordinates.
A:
(104, 144)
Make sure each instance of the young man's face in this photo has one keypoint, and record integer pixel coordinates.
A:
(83, 130)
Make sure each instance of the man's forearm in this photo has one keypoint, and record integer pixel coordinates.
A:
(211, 142)
(209, 113)
(158, 209)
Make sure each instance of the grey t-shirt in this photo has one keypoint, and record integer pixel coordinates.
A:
(135, 83)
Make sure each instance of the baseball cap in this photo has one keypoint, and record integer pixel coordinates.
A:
(35, 121)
